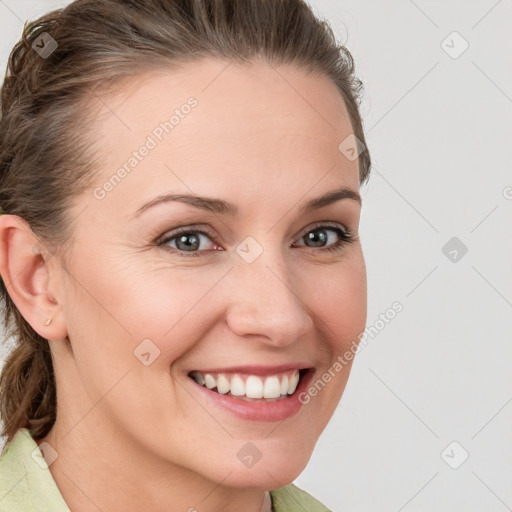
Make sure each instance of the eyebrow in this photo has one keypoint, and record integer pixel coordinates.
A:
(222, 207)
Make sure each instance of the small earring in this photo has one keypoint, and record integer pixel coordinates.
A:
(48, 321)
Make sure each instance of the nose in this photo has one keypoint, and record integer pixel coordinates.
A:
(264, 304)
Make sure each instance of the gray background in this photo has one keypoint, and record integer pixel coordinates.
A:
(434, 385)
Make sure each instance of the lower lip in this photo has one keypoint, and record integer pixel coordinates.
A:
(261, 410)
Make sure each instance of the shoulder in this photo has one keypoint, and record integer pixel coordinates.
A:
(26, 483)
(292, 499)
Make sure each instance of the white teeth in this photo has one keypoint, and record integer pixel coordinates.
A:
(292, 384)
(253, 386)
(222, 384)
(272, 388)
(210, 381)
(237, 386)
(284, 385)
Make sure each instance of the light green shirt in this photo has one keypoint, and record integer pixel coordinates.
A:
(27, 485)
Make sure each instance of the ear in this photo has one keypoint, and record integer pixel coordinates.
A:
(26, 274)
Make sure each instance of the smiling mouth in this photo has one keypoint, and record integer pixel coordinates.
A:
(250, 387)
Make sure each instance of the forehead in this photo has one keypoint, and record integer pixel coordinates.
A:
(248, 86)
(216, 123)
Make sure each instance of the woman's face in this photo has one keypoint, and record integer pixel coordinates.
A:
(258, 294)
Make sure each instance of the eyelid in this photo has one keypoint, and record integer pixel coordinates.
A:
(208, 231)
(324, 224)
(346, 237)
(196, 228)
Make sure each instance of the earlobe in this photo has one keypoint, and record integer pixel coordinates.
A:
(26, 276)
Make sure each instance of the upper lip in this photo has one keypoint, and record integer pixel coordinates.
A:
(257, 369)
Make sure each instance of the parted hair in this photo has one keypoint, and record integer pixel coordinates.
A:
(47, 157)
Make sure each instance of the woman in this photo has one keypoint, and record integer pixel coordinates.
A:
(179, 253)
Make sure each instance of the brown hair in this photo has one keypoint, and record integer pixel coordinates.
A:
(45, 158)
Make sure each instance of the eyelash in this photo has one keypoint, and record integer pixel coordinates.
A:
(344, 234)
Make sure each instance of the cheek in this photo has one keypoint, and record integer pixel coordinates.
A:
(155, 311)
(338, 298)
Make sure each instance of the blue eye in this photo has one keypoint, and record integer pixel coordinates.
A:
(318, 237)
(187, 241)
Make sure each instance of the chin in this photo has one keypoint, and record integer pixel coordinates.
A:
(271, 472)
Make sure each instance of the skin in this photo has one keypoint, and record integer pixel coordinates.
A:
(133, 437)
